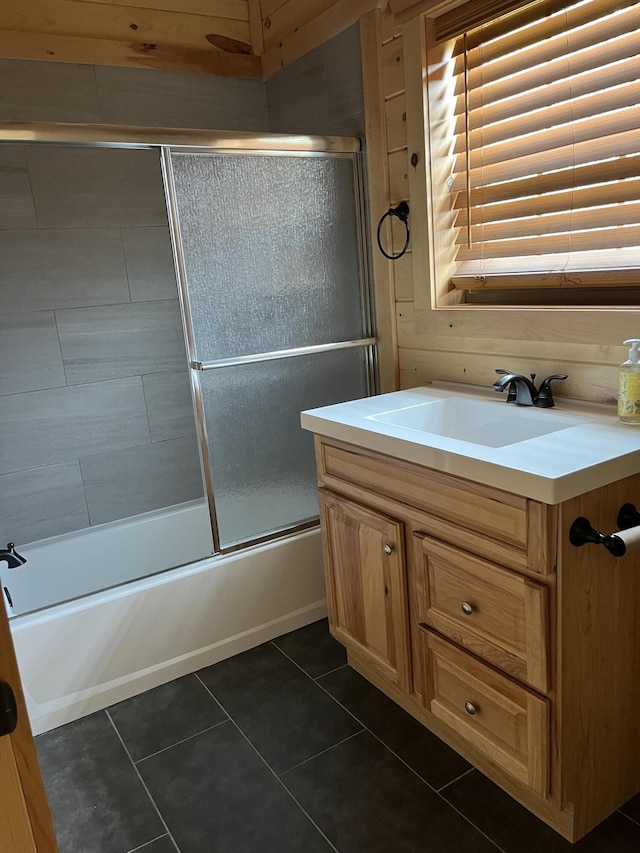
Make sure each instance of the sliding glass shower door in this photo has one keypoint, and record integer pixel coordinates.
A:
(269, 252)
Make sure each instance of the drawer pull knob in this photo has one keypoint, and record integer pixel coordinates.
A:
(388, 550)
(470, 708)
(466, 608)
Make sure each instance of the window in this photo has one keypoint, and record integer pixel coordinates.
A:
(534, 124)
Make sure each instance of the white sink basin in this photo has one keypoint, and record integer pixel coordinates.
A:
(491, 424)
(548, 455)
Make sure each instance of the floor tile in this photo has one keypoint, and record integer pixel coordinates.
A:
(284, 714)
(425, 753)
(97, 801)
(515, 830)
(313, 648)
(364, 799)
(632, 808)
(216, 794)
(165, 715)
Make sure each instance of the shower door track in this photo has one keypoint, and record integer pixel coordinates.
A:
(186, 140)
(183, 139)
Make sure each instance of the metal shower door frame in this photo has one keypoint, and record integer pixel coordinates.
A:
(368, 343)
(179, 140)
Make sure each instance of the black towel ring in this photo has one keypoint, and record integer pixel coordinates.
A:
(401, 212)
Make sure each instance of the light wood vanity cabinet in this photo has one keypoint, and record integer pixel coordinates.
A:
(469, 608)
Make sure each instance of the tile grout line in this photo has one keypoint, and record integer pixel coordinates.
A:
(322, 752)
(628, 817)
(147, 843)
(269, 768)
(312, 677)
(457, 779)
(415, 773)
(142, 782)
(184, 740)
(331, 671)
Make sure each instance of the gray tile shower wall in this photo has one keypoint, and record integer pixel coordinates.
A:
(52, 91)
(95, 411)
(320, 93)
(93, 386)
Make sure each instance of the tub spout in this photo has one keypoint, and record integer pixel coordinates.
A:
(11, 556)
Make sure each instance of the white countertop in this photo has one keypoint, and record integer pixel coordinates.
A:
(550, 468)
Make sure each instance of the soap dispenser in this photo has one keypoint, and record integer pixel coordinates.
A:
(629, 386)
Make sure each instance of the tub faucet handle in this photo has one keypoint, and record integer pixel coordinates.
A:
(11, 556)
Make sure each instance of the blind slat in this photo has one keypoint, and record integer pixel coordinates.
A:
(575, 279)
(552, 139)
(557, 202)
(543, 186)
(554, 223)
(607, 147)
(581, 26)
(538, 121)
(477, 12)
(576, 241)
(554, 263)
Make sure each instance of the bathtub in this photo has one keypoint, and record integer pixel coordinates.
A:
(85, 654)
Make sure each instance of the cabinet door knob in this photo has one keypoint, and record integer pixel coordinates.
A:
(470, 708)
(388, 549)
(466, 608)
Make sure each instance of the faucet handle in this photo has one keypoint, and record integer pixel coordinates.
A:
(544, 399)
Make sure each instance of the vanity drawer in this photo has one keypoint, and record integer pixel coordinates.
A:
(497, 614)
(504, 721)
(500, 515)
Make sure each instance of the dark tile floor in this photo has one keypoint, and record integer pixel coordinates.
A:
(283, 749)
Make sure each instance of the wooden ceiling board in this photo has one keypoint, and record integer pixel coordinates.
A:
(57, 48)
(236, 9)
(290, 17)
(165, 34)
(97, 20)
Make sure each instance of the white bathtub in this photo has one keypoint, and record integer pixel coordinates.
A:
(78, 657)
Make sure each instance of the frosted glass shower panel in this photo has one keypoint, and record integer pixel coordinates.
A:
(262, 462)
(271, 251)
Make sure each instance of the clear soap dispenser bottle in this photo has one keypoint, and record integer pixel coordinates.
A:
(629, 386)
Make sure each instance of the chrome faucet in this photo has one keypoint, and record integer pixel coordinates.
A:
(11, 556)
(523, 392)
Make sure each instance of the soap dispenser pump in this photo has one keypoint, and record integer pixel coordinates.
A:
(629, 386)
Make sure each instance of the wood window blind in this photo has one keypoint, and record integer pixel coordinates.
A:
(543, 188)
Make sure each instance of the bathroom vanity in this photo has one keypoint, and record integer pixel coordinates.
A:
(452, 583)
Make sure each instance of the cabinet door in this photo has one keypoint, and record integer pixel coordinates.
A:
(366, 584)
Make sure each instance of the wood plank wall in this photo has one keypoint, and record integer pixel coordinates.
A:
(461, 343)
(209, 36)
